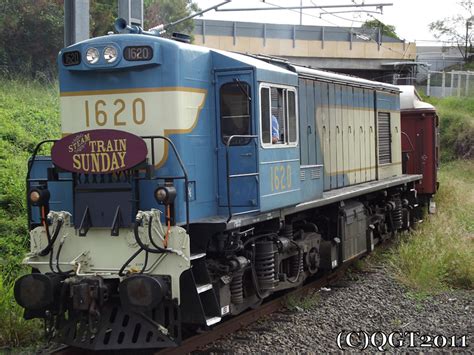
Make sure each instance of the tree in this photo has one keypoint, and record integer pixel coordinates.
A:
(386, 30)
(159, 12)
(31, 34)
(102, 16)
(457, 29)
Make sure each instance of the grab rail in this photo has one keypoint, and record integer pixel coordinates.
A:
(235, 175)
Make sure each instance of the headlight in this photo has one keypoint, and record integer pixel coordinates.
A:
(92, 55)
(110, 54)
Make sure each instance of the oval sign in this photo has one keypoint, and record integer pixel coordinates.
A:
(100, 151)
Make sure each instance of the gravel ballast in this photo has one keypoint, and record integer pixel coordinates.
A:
(370, 301)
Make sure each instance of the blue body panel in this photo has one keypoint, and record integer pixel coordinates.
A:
(61, 190)
(277, 177)
(180, 65)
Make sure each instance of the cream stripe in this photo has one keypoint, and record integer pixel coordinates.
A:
(130, 91)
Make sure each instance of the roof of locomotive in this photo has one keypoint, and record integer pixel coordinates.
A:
(268, 69)
(326, 76)
(411, 100)
(344, 79)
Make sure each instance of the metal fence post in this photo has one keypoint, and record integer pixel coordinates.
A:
(459, 84)
(443, 83)
(467, 84)
(428, 82)
(452, 83)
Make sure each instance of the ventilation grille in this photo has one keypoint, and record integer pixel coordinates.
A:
(302, 175)
(315, 173)
(385, 146)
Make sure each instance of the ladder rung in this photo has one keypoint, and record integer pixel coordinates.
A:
(213, 320)
(197, 256)
(203, 288)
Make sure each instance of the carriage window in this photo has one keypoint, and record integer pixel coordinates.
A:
(266, 117)
(235, 112)
(278, 116)
(291, 117)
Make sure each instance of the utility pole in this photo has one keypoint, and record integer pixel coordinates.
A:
(468, 26)
(301, 12)
(76, 21)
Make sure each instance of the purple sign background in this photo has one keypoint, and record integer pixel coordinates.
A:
(99, 151)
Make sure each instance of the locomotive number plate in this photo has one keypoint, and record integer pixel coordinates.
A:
(138, 53)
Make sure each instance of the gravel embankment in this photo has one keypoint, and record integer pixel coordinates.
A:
(368, 301)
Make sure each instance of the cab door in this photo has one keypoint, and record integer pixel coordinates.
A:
(236, 141)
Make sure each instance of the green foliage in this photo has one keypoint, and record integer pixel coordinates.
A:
(456, 127)
(31, 33)
(29, 113)
(307, 302)
(159, 12)
(102, 16)
(386, 30)
(14, 330)
(440, 253)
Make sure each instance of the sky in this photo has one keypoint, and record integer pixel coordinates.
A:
(410, 17)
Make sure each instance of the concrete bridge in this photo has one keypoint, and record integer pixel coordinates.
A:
(356, 51)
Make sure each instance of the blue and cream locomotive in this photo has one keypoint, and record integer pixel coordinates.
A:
(168, 205)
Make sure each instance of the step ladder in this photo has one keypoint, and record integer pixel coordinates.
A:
(199, 302)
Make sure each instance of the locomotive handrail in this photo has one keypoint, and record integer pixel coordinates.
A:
(28, 173)
(181, 164)
(229, 205)
(33, 156)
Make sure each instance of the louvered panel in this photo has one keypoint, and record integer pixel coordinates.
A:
(384, 138)
(315, 173)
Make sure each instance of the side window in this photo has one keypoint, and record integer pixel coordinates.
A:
(279, 112)
(235, 112)
(292, 117)
(278, 116)
(265, 116)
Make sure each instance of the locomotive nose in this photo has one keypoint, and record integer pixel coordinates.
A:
(143, 291)
(36, 291)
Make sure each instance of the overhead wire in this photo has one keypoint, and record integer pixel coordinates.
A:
(336, 25)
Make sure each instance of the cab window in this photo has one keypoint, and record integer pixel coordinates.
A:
(235, 112)
(278, 116)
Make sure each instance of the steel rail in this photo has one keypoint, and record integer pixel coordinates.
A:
(197, 341)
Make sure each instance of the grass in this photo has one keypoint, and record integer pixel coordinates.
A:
(14, 330)
(295, 303)
(439, 255)
(456, 127)
(29, 113)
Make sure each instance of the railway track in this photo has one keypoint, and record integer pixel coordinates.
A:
(229, 326)
(197, 341)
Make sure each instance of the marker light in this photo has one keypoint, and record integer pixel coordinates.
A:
(165, 194)
(35, 196)
(39, 197)
(92, 55)
(110, 54)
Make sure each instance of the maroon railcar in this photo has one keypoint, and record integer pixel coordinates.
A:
(420, 141)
